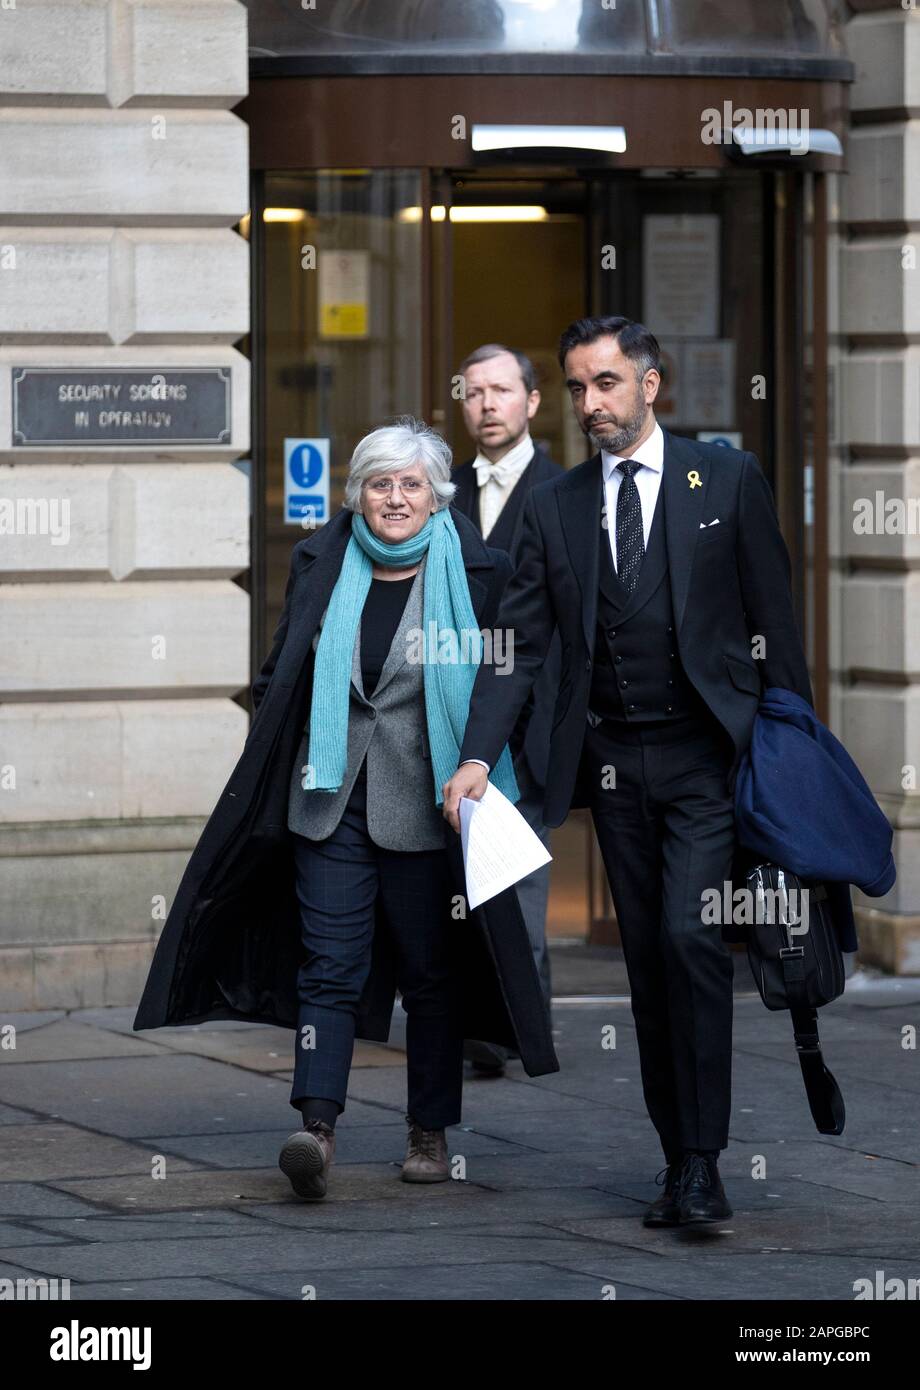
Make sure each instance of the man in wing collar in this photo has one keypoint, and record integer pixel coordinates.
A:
(661, 562)
(499, 401)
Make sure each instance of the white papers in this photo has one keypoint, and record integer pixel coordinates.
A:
(499, 847)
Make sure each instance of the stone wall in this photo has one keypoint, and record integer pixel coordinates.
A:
(876, 346)
(122, 174)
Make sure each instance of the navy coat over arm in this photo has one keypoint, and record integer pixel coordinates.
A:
(801, 802)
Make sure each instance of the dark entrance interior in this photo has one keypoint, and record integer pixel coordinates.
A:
(372, 284)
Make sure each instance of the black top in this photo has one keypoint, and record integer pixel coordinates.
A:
(383, 608)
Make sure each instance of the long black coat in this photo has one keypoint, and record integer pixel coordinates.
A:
(231, 947)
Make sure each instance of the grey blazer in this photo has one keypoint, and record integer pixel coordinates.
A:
(391, 730)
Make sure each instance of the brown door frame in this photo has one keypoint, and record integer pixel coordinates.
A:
(342, 122)
(820, 578)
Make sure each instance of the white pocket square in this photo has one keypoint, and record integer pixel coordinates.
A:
(704, 524)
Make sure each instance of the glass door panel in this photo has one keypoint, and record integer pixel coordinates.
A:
(342, 255)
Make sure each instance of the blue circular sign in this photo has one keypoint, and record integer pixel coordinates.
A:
(306, 465)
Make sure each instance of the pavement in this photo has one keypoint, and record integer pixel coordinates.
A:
(144, 1165)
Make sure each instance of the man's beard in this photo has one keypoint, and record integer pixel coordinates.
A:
(627, 433)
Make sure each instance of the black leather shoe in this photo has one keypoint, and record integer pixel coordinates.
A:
(701, 1196)
(487, 1059)
(665, 1210)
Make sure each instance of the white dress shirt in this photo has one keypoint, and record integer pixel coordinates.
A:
(648, 480)
(496, 480)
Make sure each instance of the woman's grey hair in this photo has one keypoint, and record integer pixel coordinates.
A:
(395, 447)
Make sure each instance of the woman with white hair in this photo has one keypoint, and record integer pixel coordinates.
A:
(332, 823)
(365, 797)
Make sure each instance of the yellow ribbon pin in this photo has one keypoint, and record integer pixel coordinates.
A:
(694, 479)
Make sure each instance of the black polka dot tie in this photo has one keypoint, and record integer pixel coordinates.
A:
(629, 536)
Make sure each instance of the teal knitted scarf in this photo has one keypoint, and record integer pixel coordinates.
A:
(448, 681)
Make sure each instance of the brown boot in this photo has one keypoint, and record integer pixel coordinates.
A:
(306, 1158)
(426, 1155)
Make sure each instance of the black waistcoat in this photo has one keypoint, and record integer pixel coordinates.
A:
(637, 671)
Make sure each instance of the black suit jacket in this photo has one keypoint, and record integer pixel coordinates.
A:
(530, 737)
(729, 583)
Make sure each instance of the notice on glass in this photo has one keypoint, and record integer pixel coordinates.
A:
(709, 383)
(499, 847)
(344, 294)
(681, 275)
(697, 384)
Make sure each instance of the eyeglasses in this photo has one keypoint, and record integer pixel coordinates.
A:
(410, 487)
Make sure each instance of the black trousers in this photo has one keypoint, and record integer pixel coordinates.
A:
(339, 880)
(664, 820)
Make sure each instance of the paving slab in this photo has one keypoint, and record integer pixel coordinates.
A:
(121, 1019)
(264, 1049)
(163, 1291)
(39, 1199)
(586, 1168)
(361, 1144)
(188, 1225)
(444, 1205)
(10, 1115)
(883, 1062)
(871, 1234)
(159, 1093)
(13, 1233)
(189, 1189)
(565, 1130)
(513, 1282)
(63, 1040)
(685, 1273)
(39, 1018)
(44, 1151)
(559, 1168)
(387, 1086)
(304, 1253)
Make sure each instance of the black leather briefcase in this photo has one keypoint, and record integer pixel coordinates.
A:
(797, 965)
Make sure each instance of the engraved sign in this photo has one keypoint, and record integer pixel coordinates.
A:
(120, 405)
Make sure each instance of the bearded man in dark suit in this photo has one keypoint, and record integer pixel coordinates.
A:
(660, 561)
(500, 398)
